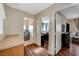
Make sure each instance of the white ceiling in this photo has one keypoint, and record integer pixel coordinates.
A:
(32, 8)
(72, 12)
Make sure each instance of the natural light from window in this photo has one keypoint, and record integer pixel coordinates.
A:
(44, 24)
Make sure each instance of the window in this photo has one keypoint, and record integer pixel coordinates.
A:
(44, 24)
(44, 27)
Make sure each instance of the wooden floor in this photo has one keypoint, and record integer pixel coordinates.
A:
(15, 51)
(64, 52)
(35, 50)
(45, 44)
(29, 50)
(72, 51)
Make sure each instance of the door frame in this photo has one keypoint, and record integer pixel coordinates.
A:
(48, 28)
(55, 19)
(30, 41)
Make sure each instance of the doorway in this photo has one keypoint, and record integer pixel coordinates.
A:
(69, 31)
(28, 29)
(44, 32)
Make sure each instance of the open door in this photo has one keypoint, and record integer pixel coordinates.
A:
(58, 32)
(45, 32)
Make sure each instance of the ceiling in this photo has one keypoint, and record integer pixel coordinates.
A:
(70, 13)
(32, 8)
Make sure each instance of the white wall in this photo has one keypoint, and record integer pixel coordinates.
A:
(2, 17)
(14, 20)
(13, 24)
(58, 32)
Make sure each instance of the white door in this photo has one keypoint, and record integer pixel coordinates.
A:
(58, 32)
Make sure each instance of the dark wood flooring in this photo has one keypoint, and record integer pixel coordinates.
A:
(35, 50)
(72, 51)
(45, 45)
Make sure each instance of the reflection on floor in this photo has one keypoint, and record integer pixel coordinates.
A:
(72, 51)
(35, 50)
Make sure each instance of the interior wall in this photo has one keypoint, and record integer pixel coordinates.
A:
(50, 12)
(13, 24)
(14, 20)
(64, 20)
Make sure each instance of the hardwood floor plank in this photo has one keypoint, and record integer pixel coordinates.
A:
(35, 50)
(15, 51)
(72, 51)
